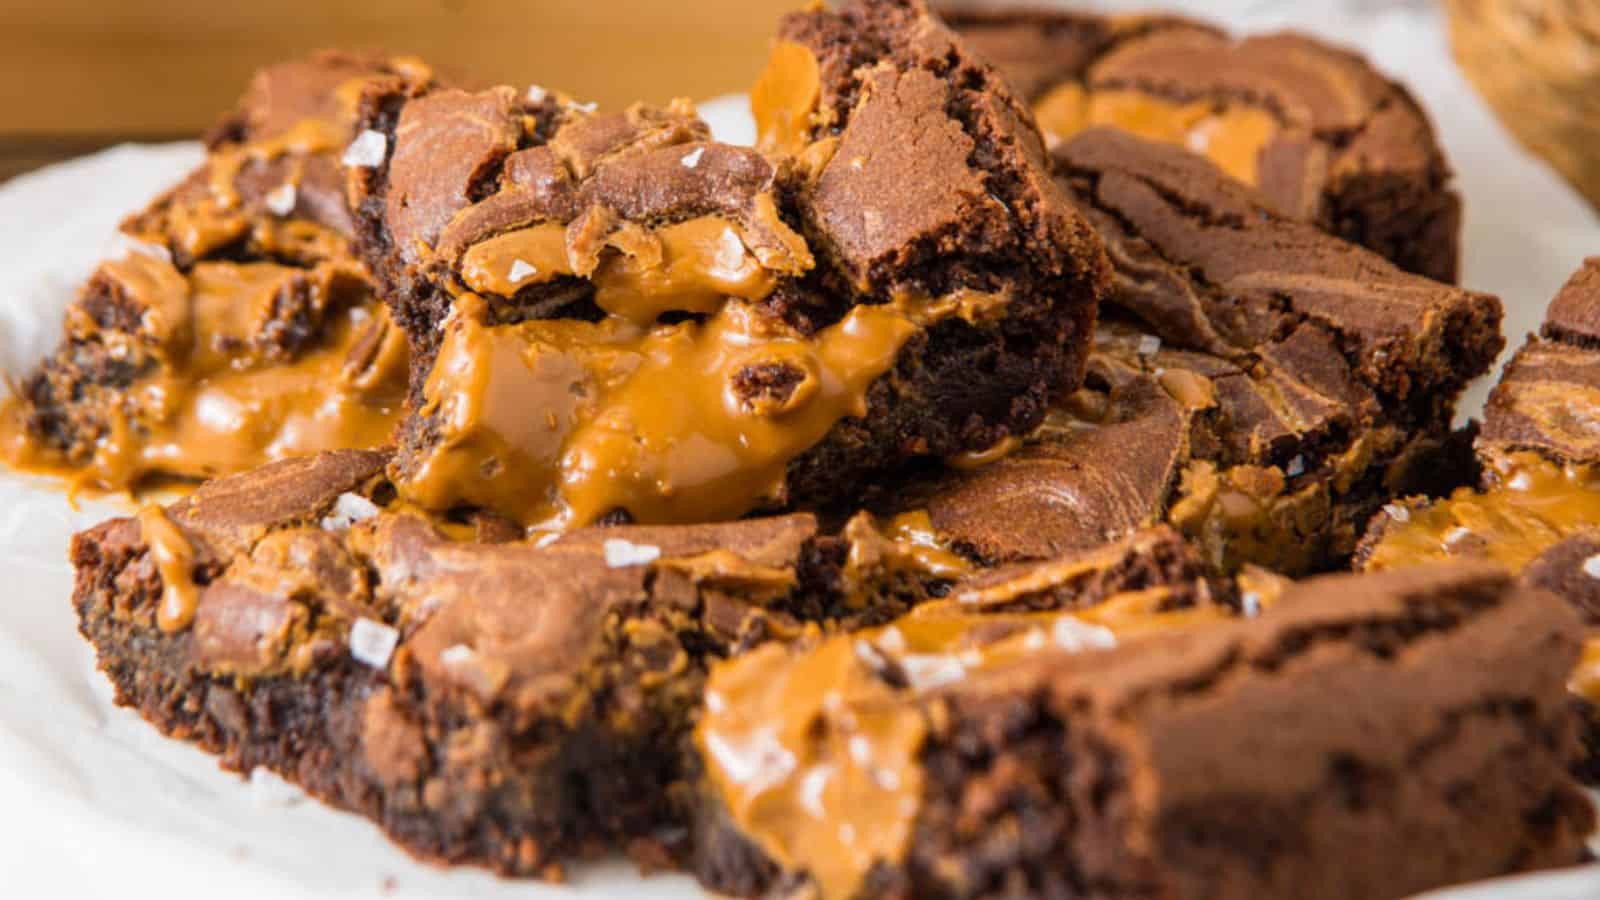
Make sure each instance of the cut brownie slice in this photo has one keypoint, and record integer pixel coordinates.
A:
(510, 704)
(1307, 753)
(616, 318)
(1259, 384)
(243, 329)
(1540, 451)
(1324, 136)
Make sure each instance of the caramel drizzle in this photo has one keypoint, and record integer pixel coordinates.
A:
(174, 560)
(1533, 505)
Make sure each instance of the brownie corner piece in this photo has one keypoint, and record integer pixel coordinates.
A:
(1300, 753)
(484, 698)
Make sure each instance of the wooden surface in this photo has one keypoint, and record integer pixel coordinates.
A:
(77, 74)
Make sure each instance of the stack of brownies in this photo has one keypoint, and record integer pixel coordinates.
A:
(943, 498)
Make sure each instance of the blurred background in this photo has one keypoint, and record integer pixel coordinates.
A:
(79, 74)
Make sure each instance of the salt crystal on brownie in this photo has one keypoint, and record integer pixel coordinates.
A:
(368, 150)
(373, 642)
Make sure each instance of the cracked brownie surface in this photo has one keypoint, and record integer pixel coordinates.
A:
(1324, 136)
(242, 328)
(1257, 383)
(1137, 750)
(705, 330)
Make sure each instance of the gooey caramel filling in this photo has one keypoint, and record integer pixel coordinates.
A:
(215, 400)
(556, 423)
(1534, 505)
(1231, 135)
(690, 266)
(174, 560)
(816, 756)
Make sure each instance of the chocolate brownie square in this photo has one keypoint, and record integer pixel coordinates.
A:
(1324, 136)
(1257, 383)
(242, 329)
(486, 699)
(1134, 750)
(618, 319)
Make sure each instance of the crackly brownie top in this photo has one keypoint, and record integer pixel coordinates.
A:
(690, 317)
(1245, 358)
(244, 329)
(1284, 112)
(817, 755)
(1207, 265)
(278, 570)
(1540, 448)
(271, 184)
(880, 99)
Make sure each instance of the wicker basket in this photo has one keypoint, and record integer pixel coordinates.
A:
(1537, 62)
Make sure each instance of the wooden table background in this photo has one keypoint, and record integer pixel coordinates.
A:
(80, 74)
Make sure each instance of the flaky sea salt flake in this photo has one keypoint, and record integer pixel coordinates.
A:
(1076, 636)
(281, 199)
(1591, 566)
(521, 271)
(620, 553)
(1149, 345)
(367, 150)
(347, 510)
(691, 160)
(537, 94)
(373, 642)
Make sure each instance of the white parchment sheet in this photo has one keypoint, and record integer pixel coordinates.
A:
(93, 803)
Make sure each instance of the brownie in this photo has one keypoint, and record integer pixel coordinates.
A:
(1325, 136)
(1308, 752)
(242, 328)
(1257, 383)
(1571, 570)
(618, 319)
(484, 699)
(1538, 499)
